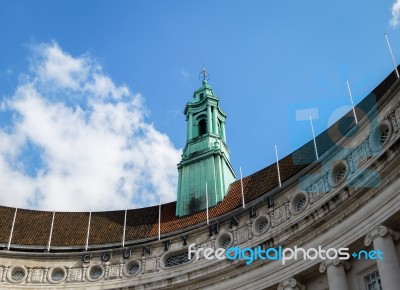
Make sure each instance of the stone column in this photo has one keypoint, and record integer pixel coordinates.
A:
(291, 284)
(389, 269)
(215, 121)
(190, 127)
(223, 131)
(335, 272)
(209, 119)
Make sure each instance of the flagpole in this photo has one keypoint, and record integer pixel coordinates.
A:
(351, 99)
(207, 203)
(123, 233)
(241, 184)
(391, 54)
(159, 219)
(313, 134)
(277, 166)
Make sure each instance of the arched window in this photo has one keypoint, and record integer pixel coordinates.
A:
(202, 127)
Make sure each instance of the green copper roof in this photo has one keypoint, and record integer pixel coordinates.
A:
(205, 160)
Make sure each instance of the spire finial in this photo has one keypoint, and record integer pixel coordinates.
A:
(204, 75)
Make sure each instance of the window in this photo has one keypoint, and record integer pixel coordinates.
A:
(298, 203)
(18, 274)
(301, 203)
(380, 136)
(260, 225)
(373, 282)
(384, 136)
(226, 243)
(224, 240)
(201, 96)
(202, 127)
(177, 260)
(132, 268)
(96, 272)
(57, 275)
(339, 173)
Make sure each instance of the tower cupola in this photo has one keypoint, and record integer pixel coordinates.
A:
(205, 158)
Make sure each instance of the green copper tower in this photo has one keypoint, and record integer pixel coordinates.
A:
(205, 158)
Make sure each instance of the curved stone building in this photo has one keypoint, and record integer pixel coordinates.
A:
(345, 196)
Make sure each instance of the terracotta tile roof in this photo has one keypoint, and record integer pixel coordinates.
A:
(6, 219)
(32, 228)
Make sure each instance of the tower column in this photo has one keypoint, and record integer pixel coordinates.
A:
(336, 274)
(223, 131)
(388, 267)
(190, 126)
(215, 121)
(209, 119)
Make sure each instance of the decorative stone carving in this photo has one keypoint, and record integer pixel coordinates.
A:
(121, 268)
(157, 264)
(291, 284)
(234, 233)
(380, 231)
(84, 273)
(75, 275)
(279, 215)
(36, 275)
(5, 270)
(249, 231)
(46, 271)
(107, 270)
(28, 280)
(113, 271)
(336, 262)
(392, 118)
(242, 234)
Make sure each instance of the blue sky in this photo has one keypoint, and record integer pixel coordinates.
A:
(134, 64)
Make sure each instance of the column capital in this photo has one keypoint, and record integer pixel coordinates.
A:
(380, 231)
(291, 283)
(325, 264)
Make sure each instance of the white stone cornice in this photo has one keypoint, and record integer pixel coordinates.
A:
(291, 283)
(335, 262)
(380, 231)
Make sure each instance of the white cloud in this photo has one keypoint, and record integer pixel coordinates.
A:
(95, 152)
(394, 22)
(54, 65)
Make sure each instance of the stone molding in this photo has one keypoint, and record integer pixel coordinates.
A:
(291, 283)
(380, 231)
(336, 262)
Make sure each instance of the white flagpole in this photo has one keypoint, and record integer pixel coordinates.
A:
(207, 203)
(51, 231)
(391, 54)
(351, 99)
(124, 232)
(277, 166)
(313, 134)
(159, 220)
(241, 184)
(88, 232)
(12, 229)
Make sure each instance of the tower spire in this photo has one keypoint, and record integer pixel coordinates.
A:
(205, 158)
